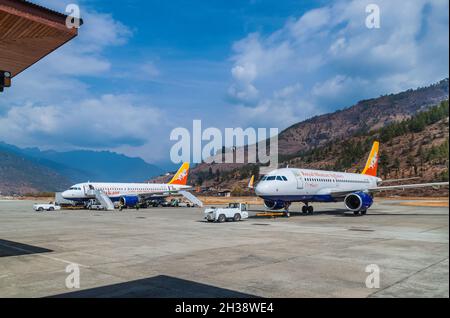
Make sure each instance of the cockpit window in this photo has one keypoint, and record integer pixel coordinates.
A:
(279, 178)
(271, 178)
(284, 178)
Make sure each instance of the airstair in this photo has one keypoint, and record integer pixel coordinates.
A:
(192, 198)
(104, 200)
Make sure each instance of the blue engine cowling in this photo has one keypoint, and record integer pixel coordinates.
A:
(358, 201)
(274, 205)
(129, 201)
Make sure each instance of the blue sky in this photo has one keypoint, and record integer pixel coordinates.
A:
(141, 68)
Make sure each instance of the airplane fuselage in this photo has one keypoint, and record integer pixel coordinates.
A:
(305, 185)
(81, 191)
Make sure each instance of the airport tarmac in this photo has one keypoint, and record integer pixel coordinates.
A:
(172, 252)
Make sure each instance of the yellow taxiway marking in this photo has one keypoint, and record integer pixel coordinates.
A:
(441, 204)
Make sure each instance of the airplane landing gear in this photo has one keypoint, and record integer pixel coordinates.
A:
(361, 212)
(286, 209)
(308, 209)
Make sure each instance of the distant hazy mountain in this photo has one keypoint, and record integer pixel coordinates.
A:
(20, 174)
(70, 167)
(84, 165)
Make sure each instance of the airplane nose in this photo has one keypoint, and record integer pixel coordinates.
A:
(257, 189)
(260, 189)
(64, 194)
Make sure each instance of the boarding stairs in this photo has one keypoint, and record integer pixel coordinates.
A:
(104, 200)
(191, 198)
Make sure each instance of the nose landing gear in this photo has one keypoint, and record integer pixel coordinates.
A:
(286, 209)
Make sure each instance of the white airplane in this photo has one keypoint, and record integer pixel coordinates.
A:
(282, 187)
(130, 194)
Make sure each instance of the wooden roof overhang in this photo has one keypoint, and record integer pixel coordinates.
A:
(29, 32)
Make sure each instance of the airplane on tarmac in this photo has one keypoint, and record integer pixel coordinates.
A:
(130, 194)
(281, 187)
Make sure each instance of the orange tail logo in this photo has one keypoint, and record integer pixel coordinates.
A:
(182, 175)
(372, 162)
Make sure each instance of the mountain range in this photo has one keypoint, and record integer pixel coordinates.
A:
(338, 140)
(341, 140)
(27, 170)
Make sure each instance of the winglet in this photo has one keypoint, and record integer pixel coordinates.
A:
(250, 183)
(182, 175)
(372, 162)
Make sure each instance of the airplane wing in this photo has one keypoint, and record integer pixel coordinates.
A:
(154, 195)
(189, 196)
(338, 194)
(397, 180)
(409, 186)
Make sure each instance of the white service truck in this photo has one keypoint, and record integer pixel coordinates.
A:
(46, 207)
(234, 212)
(93, 204)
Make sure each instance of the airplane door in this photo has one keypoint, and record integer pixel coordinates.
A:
(87, 188)
(299, 179)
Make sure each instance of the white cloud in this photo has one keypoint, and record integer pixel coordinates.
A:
(244, 73)
(108, 121)
(244, 92)
(101, 30)
(150, 70)
(52, 105)
(288, 91)
(334, 60)
(60, 74)
(315, 63)
(312, 22)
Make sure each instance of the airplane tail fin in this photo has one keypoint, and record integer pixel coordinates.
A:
(251, 182)
(372, 162)
(182, 175)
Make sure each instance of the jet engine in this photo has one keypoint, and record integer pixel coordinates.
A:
(129, 201)
(358, 201)
(274, 205)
